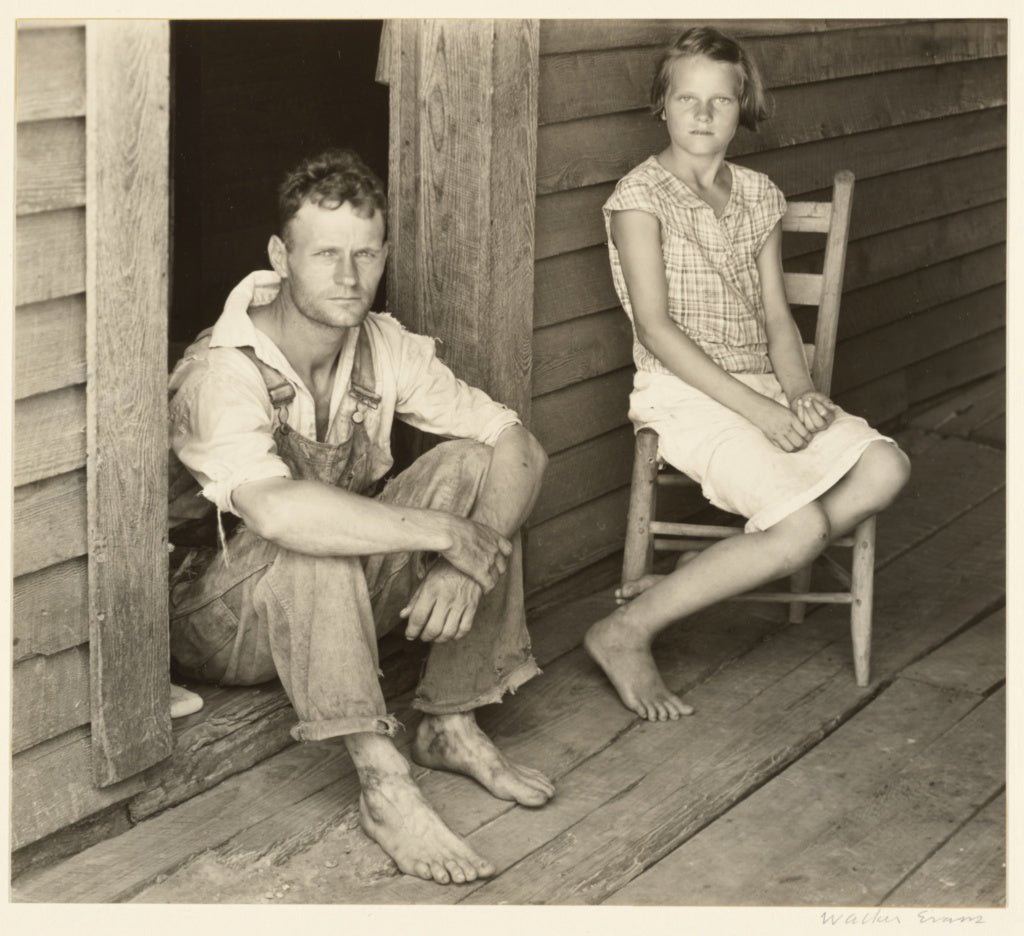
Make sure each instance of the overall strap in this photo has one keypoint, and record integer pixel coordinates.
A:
(281, 391)
(363, 384)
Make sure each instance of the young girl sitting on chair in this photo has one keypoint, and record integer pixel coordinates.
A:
(695, 248)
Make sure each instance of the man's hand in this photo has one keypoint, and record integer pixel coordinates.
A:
(478, 551)
(444, 605)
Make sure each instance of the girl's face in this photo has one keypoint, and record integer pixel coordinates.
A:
(702, 104)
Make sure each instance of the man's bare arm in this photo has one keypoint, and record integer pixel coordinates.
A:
(320, 520)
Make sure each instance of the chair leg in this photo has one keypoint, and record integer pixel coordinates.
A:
(638, 556)
(799, 582)
(862, 592)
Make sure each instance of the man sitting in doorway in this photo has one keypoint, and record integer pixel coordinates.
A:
(282, 414)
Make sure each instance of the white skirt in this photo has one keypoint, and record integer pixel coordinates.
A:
(738, 468)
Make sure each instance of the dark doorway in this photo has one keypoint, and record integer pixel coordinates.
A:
(250, 99)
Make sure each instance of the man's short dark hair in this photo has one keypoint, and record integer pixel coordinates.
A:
(329, 180)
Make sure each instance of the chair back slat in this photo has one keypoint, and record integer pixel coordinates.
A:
(803, 288)
(811, 217)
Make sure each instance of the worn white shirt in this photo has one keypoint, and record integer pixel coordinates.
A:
(222, 421)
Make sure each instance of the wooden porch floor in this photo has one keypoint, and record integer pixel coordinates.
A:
(789, 786)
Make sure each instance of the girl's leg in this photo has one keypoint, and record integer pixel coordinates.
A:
(621, 642)
(867, 488)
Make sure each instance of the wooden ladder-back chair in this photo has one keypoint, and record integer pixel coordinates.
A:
(645, 535)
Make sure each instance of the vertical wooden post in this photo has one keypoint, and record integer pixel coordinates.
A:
(462, 184)
(127, 186)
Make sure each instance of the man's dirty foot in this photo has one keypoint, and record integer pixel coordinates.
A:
(632, 671)
(394, 813)
(456, 743)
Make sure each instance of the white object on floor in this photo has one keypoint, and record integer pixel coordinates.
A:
(184, 702)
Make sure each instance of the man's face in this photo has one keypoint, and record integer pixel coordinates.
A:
(332, 263)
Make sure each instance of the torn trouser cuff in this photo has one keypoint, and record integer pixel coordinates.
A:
(354, 724)
(510, 683)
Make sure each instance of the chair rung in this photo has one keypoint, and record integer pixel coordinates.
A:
(789, 597)
(694, 529)
(681, 545)
(674, 479)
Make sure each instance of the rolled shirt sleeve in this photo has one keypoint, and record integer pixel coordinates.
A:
(431, 398)
(221, 426)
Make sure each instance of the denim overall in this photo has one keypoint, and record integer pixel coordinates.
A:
(254, 610)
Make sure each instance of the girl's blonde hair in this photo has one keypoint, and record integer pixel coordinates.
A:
(716, 45)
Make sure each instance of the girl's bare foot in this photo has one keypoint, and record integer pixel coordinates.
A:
(629, 665)
(456, 743)
(629, 590)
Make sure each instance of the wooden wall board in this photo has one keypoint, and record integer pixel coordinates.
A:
(583, 472)
(50, 260)
(50, 165)
(920, 289)
(577, 538)
(584, 347)
(127, 304)
(572, 284)
(50, 696)
(972, 360)
(878, 401)
(50, 609)
(62, 768)
(583, 411)
(572, 219)
(919, 336)
(49, 345)
(49, 434)
(577, 35)
(584, 84)
(51, 73)
(49, 522)
(600, 149)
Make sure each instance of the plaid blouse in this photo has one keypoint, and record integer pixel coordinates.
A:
(714, 291)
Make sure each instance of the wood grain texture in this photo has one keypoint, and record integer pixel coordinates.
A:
(956, 366)
(50, 696)
(600, 149)
(51, 609)
(50, 260)
(51, 73)
(579, 349)
(49, 346)
(127, 295)
(572, 219)
(49, 522)
(49, 434)
(50, 165)
(582, 411)
(51, 787)
(587, 83)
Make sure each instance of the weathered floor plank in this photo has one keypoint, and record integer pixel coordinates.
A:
(970, 867)
(851, 774)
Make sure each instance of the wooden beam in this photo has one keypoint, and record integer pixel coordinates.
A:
(462, 178)
(127, 300)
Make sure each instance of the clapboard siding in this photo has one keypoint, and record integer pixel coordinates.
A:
(916, 110)
(572, 219)
(50, 255)
(49, 434)
(601, 82)
(49, 345)
(49, 522)
(51, 609)
(51, 165)
(51, 73)
(50, 696)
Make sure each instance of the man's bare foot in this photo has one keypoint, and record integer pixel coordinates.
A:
(456, 743)
(629, 665)
(395, 814)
